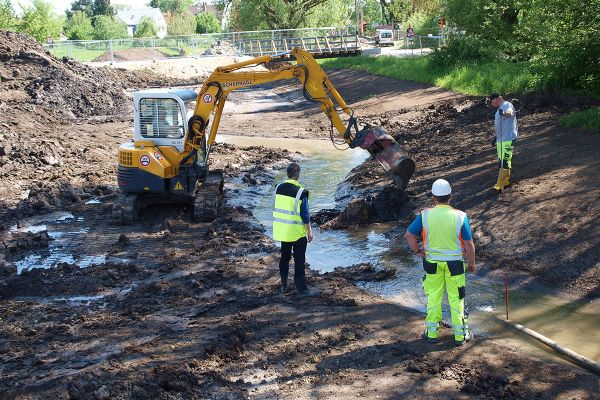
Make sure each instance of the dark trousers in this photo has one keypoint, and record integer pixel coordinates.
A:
(299, 247)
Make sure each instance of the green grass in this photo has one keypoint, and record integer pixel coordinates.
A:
(82, 55)
(589, 119)
(87, 55)
(469, 78)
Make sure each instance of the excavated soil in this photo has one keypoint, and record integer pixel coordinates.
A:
(64, 88)
(188, 310)
(543, 225)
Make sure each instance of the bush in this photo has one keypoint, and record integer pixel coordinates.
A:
(107, 27)
(474, 78)
(79, 27)
(145, 28)
(461, 49)
(181, 24)
(422, 23)
(207, 23)
(559, 39)
(8, 17)
(589, 119)
(40, 21)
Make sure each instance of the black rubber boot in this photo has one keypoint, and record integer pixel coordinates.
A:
(284, 287)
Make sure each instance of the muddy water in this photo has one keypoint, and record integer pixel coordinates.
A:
(323, 167)
(573, 324)
(67, 232)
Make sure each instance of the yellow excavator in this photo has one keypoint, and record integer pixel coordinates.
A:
(168, 159)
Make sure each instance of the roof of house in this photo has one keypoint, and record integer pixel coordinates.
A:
(205, 7)
(133, 17)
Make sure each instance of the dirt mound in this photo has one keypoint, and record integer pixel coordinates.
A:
(64, 87)
(222, 48)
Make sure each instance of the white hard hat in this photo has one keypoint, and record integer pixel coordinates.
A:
(441, 187)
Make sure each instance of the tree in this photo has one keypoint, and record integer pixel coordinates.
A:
(181, 24)
(336, 13)
(557, 39)
(272, 14)
(40, 21)
(107, 27)
(8, 17)
(372, 13)
(145, 28)
(207, 23)
(81, 5)
(79, 27)
(173, 6)
(102, 7)
(399, 10)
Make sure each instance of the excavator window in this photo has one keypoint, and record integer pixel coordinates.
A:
(161, 118)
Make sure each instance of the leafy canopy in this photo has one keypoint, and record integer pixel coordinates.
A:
(40, 21)
(207, 23)
(145, 28)
(79, 27)
(8, 17)
(107, 27)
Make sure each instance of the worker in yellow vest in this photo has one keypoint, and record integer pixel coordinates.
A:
(291, 226)
(446, 236)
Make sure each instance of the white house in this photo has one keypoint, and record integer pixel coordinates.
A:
(133, 17)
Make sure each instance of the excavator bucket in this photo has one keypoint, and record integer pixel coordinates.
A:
(384, 148)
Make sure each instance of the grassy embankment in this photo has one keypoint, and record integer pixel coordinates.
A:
(83, 54)
(472, 78)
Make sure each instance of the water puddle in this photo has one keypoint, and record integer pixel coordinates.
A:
(83, 300)
(39, 223)
(93, 201)
(571, 323)
(66, 231)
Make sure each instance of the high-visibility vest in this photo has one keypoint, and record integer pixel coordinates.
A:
(442, 236)
(287, 223)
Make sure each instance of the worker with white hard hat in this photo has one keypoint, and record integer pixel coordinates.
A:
(446, 236)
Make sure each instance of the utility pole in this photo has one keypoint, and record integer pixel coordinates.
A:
(358, 11)
(356, 15)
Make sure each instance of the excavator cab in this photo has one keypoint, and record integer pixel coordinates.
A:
(161, 164)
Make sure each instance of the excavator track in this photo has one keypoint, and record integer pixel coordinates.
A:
(125, 209)
(209, 198)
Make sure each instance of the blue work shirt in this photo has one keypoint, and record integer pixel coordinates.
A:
(304, 213)
(417, 227)
(506, 127)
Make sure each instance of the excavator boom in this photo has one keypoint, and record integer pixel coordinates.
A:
(316, 87)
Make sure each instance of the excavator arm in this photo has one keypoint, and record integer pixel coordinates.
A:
(316, 88)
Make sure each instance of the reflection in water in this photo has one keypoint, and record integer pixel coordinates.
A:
(323, 167)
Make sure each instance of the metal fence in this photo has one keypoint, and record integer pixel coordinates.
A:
(319, 46)
(330, 40)
(134, 49)
(404, 46)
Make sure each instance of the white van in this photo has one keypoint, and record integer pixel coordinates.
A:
(384, 37)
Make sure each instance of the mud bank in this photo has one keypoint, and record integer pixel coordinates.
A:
(544, 223)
